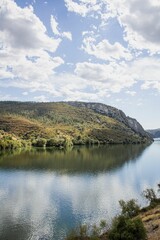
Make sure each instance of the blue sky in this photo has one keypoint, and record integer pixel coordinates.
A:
(86, 50)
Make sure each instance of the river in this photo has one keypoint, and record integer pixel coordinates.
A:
(45, 193)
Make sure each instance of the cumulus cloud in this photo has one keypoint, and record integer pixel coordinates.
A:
(83, 8)
(25, 48)
(141, 24)
(28, 58)
(56, 31)
(21, 29)
(139, 21)
(114, 77)
(104, 50)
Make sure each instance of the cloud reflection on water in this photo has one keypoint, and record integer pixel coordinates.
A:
(46, 203)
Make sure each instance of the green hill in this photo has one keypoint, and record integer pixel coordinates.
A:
(63, 124)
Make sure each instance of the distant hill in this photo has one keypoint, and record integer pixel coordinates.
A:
(64, 123)
(155, 133)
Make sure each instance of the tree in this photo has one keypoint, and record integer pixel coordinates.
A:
(124, 228)
(129, 209)
(150, 195)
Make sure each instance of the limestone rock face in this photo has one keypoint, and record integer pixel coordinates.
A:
(115, 113)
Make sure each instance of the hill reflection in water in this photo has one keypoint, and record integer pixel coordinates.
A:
(77, 160)
(43, 194)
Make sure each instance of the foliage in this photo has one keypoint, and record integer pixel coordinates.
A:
(88, 232)
(68, 142)
(124, 228)
(9, 141)
(50, 142)
(62, 125)
(40, 142)
(150, 195)
(129, 209)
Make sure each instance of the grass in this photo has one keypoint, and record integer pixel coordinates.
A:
(151, 221)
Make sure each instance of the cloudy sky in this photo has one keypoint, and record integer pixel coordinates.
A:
(89, 50)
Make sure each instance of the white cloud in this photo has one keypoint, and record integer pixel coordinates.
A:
(139, 20)
(83, 8)
(94, 82)
(54, 26)
(141, 24)
(41, 98)
(56, 31)
(27, 60)
(132, 93)
(104, 50)
(5, 73)
(67, 35)
(26, 49)
(21, 29)
(112, 77)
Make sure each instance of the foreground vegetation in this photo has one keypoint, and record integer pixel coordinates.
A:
(133, 223)
(59, 125)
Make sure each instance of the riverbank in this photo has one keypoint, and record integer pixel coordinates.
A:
(9, 141)
(151, 221)
(133, 223)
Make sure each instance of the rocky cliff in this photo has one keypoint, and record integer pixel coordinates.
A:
(113, 113)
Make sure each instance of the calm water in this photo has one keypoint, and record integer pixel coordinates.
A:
(45, 193)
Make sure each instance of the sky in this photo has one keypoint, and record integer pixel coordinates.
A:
(104, 51)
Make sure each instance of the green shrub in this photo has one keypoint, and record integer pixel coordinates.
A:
(92, 232)
(68, 142)
(124, 228)
(150, 195)
(10, 144)
(50, 142)
(40, 142)
(129, 209)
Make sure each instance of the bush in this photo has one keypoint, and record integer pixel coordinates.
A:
(68, 142)
(88, 232)
(129, 209)
(150, 195)
(50, 142)
(124, 228)
(10, 144)
(40, 142)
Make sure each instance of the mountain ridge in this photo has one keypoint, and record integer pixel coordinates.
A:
(69, 123)
(155, 133)
(114, 113)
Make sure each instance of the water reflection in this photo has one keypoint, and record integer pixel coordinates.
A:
(80, 159)
(43, 194)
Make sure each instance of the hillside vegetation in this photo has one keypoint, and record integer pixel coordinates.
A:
(132, 223)
(61, 124)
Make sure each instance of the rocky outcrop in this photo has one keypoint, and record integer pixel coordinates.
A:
(115, 113)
